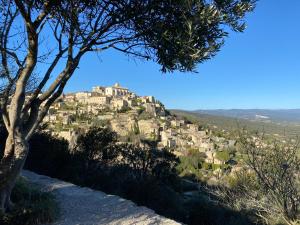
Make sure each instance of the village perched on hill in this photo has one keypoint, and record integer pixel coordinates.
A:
(133, 118)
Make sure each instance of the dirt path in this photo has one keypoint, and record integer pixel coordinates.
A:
(84, 206)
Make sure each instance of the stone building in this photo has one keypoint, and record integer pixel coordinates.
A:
(118, 103)
(99, 90)
(150, 128)
(50, 118)
(177, 123)
(148, 99)
(82, 96)
(98, 100)
(193, 127)
(69, 97)
(211, 158)
(169, 143)
(122, 124)
(116, 90)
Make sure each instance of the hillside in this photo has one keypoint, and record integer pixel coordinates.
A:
(134, 118)
(273, 115)
(137, 119)
(230, 123)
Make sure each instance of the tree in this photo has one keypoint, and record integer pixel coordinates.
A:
(148, 160)
(55, 35)
(268, 185)
(3, 135)
(98, 144)
(277, 169)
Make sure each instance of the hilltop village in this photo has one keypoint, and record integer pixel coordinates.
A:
(133, 118)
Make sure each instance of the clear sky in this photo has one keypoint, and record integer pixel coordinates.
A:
(259, 68)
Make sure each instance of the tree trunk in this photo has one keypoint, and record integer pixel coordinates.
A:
(6, 204)
(11, 164)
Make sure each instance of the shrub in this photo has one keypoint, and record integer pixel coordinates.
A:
(277, 168)
(47, 155)
(149, 161)
(98, 143)
(223, 155)
(268, 186)
(32, 206)
(124, 109)
(207, 166)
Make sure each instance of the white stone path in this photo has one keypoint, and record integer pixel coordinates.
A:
(84, 206)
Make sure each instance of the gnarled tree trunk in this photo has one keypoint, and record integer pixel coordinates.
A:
(15, 154)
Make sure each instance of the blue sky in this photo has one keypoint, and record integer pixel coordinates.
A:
(259, 68)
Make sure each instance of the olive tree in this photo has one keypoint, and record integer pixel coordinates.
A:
(276, 166)
(268, 183)
(42, 43)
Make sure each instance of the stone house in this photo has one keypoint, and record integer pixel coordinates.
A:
(93, 109)
(196, 139)
(211, 158)
(99, 90)
(169, 143)
(118, 103)
(208, 146)
(50, 118)
(122, 124)
(116, 90)
(105, 117)
(98, 100)
(177, 123)
(66, 119)
(193, 127)
(82, 96)
(69, 98)
(64, 134)
(149, 127)
(148, 99)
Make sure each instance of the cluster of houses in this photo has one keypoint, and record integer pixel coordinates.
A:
(127, 113)
(182, 136)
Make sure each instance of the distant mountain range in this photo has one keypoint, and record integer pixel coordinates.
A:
(279, 122)
(267, 115)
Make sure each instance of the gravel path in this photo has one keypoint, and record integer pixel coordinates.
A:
(84, 206)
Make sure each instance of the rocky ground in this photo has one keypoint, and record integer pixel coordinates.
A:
(84, 206)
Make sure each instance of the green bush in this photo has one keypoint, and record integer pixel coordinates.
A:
(207, 166)
(31, 206)
(47, 155)
(191, 164)
(124, 109)
(140, 109)
(215, 166)
(223, 155)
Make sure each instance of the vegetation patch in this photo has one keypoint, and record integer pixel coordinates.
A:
(144, 174)
(32, 206)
